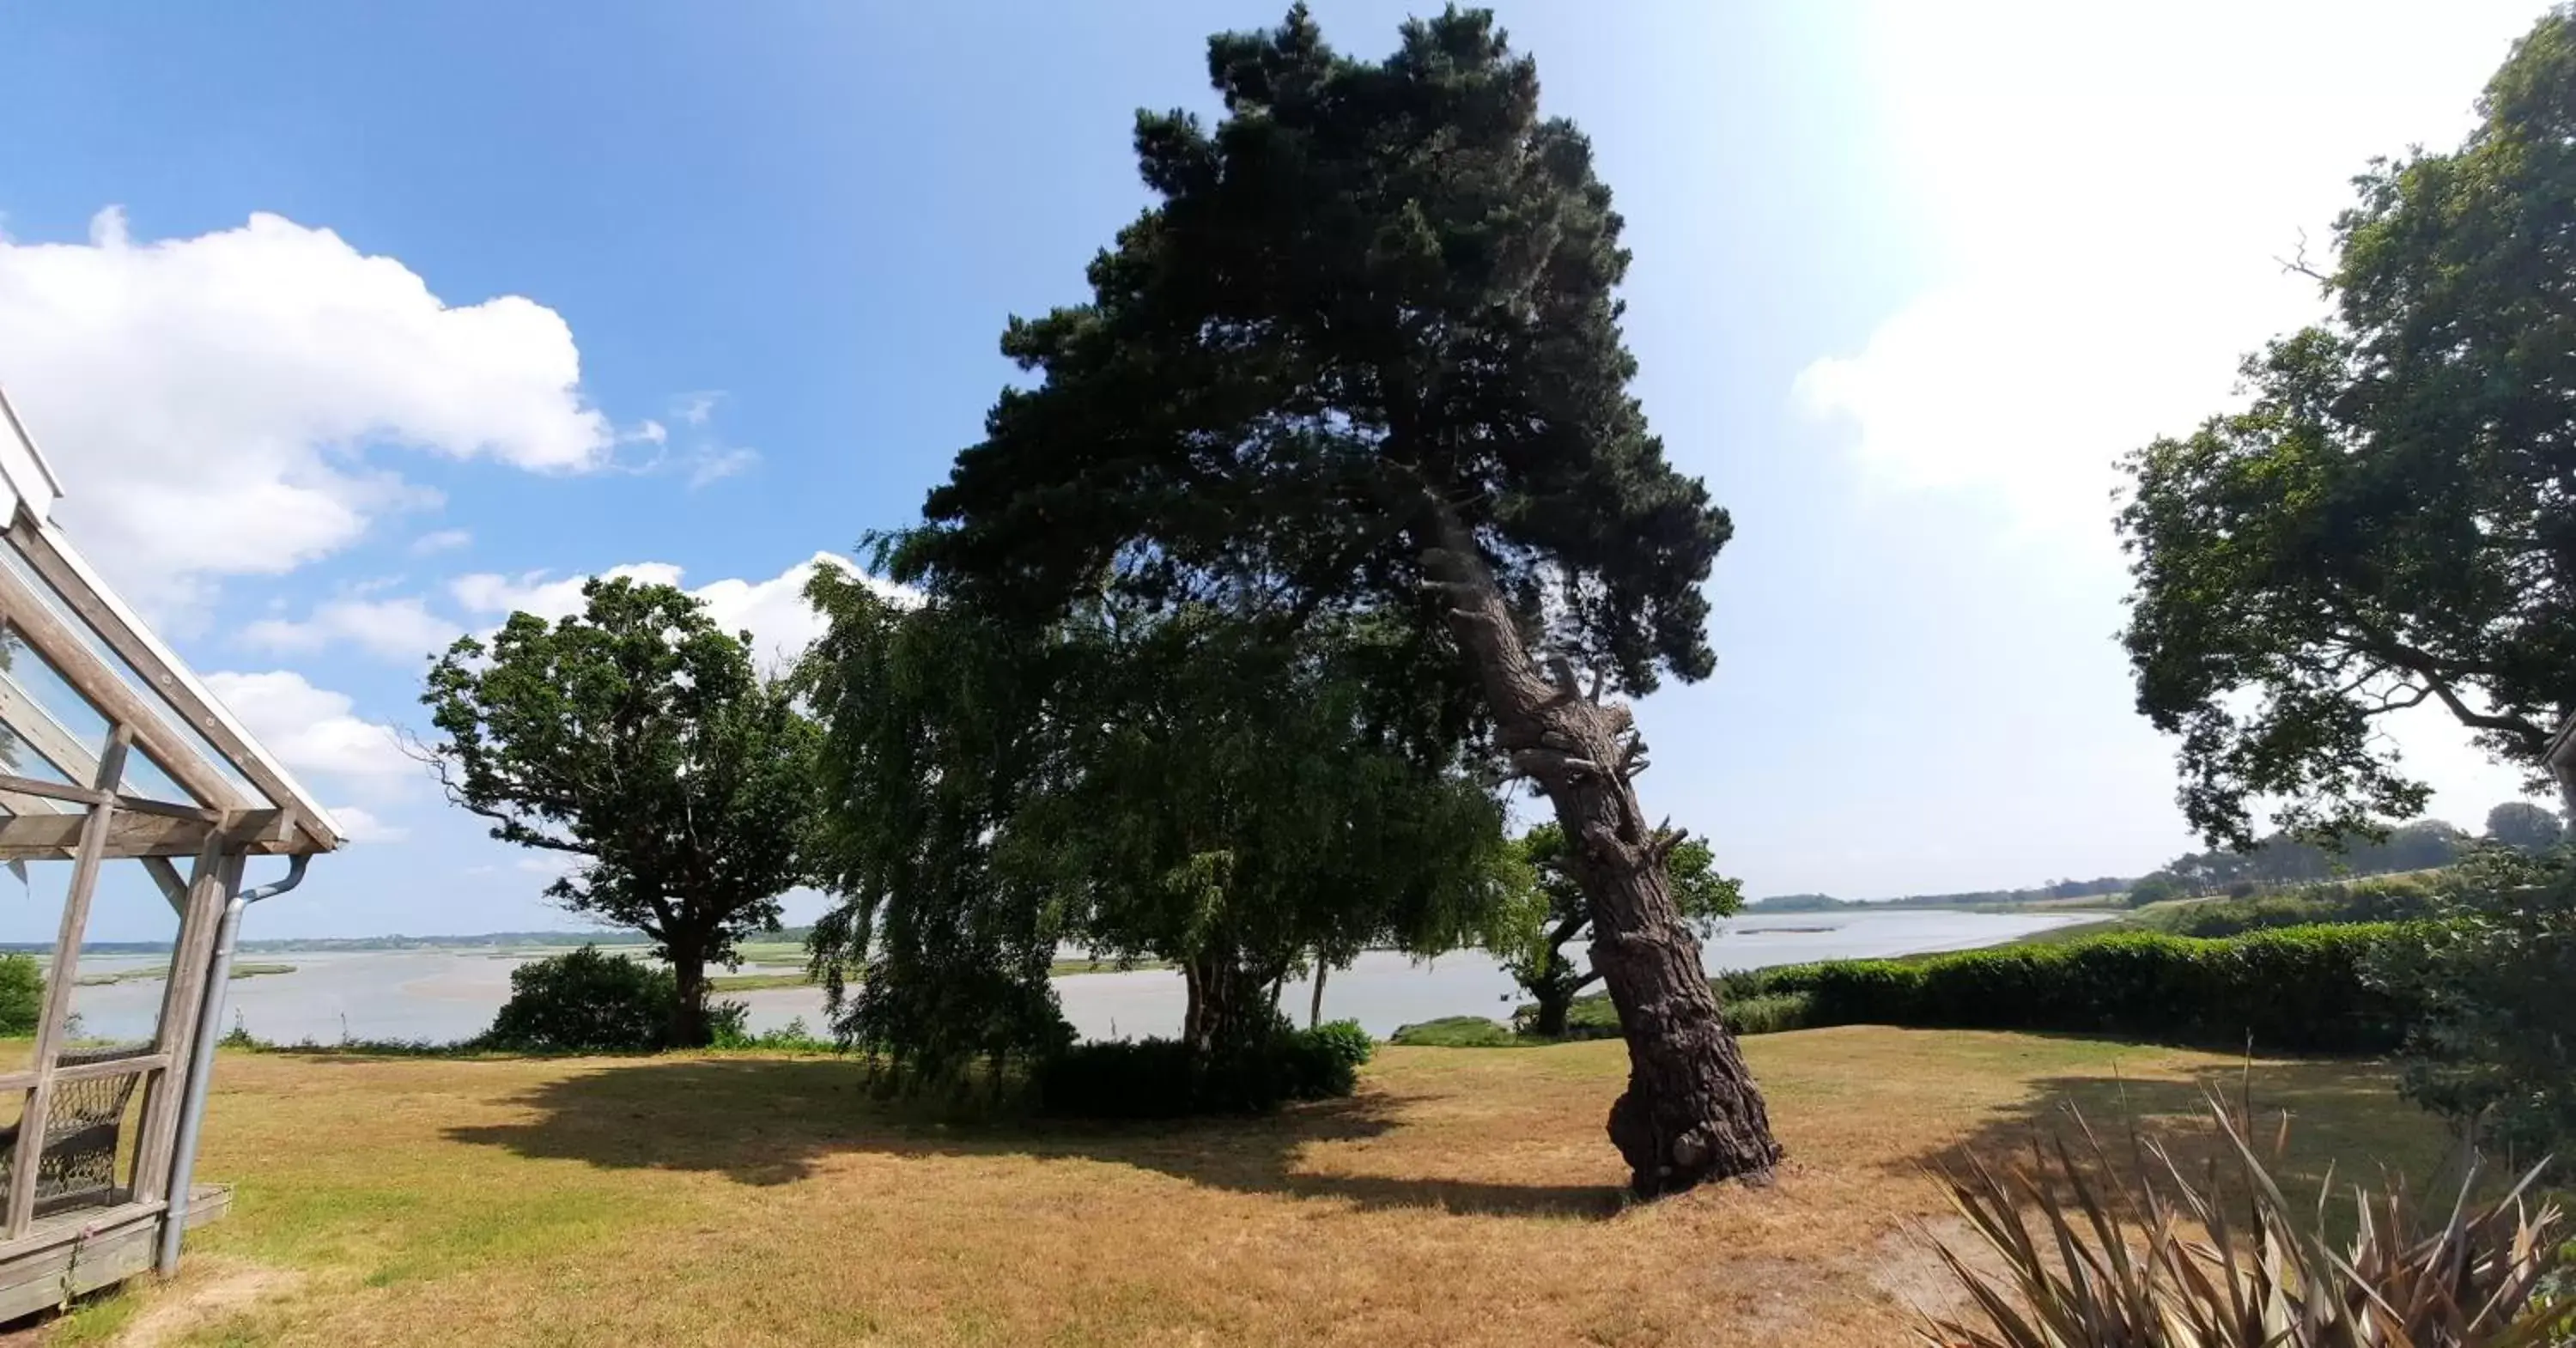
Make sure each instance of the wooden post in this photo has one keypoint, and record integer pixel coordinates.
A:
(182, 1002)
(65, 975)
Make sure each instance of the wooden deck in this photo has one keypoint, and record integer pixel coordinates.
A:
(69, 1253)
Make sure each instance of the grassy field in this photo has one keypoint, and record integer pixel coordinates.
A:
(1462, 1197)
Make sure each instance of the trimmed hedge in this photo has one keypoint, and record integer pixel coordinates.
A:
(1161, 1079)
(2296, 989)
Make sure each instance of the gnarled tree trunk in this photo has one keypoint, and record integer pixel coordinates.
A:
(1691, 1112)
(689, 1027)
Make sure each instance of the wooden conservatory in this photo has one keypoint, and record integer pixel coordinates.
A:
(125, 789)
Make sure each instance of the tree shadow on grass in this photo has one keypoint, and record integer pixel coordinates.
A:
(2338, 1118)
(766, 1121)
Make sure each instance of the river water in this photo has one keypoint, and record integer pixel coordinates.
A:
(451, 994)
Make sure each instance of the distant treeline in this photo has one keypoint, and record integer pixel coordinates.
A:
(2063, 889)
(2279, 860)
(519, 940)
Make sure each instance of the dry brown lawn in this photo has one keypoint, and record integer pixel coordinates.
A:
(1464, 1197)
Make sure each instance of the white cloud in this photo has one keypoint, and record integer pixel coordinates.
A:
(393, 629)
(363, 826)
(309, 729)
(2110, 229)
(773, 611)
(441, 540)
(532, 592)
(2111, 195)
(209, 400)
(695, 408)
(715, 465)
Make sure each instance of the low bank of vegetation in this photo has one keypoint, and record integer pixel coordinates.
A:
(2474, 993)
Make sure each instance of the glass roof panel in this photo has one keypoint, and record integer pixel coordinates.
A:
(174, 727)
(56, 735)
(59, 731)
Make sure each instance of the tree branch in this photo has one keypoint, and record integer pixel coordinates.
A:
(1551, 762)
(2424, 665)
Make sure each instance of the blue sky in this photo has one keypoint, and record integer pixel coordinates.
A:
(352, 327)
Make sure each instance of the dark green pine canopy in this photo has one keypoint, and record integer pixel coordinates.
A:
(1372, 290)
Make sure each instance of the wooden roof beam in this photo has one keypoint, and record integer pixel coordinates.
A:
(53, 639)
(51, 837)
(148, 660)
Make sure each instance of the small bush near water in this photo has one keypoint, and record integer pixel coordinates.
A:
(22, 994)
(588, 1002)
(1160, 1079)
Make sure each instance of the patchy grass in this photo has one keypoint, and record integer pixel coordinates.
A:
(1461, 1032)
(1463, 1198)
(156, 975)
(756, 982)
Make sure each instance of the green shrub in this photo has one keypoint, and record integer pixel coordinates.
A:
(1458, 1032)
(587, 1002)
(793, 1037)
(2495, 1048)
(1770, 1013)
(22, 994)
(1162, 1079)
(2382, 898)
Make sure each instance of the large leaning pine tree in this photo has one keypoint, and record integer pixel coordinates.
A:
(1363, 355)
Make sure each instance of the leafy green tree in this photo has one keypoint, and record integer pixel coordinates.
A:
(2524, 827)
(1532, 933)
(636, 738)
(1362, 355)
(2387, 523)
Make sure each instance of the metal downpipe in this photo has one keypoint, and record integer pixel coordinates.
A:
(201, 1065)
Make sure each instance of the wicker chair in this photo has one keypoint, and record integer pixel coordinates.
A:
(82, 1133)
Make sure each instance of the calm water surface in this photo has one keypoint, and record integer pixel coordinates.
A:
(451, 994)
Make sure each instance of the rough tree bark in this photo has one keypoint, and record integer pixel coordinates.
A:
(1691, 1112)
(1315, 1006)
(689, 1010)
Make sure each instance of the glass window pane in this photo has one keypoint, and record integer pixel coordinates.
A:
(51, 720)
(124, 962)
(174, 726)
(31, 918)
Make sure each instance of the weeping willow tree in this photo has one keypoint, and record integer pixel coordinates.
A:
(1217, 790)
